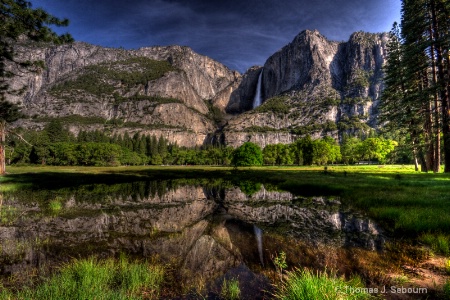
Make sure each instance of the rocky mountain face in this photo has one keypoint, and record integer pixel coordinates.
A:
(311, 86)
(166, 91)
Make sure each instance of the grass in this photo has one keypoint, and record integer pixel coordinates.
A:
(304, 284)
(447, 289)
(447, 266)
(94, 279)
(55, 206)
(439, 243)
(8, 214)
(230, 289)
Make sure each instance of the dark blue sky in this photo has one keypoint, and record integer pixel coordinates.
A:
(238, 33)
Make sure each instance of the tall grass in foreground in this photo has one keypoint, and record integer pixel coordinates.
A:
(93, 279)
(303, 284)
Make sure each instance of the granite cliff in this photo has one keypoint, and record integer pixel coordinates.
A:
(311, 86)
(166, 91)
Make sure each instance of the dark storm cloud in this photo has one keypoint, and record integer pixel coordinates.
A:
(235, 32)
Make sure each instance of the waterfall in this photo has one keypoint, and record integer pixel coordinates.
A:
(257, 100)
(258, 235)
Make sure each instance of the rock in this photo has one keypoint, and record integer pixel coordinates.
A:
(174, 103)
(311, 86)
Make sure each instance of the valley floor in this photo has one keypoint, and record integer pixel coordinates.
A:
(411, 208)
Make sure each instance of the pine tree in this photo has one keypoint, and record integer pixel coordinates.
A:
(19, 20)
(416, 94)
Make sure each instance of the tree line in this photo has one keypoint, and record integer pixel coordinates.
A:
(55, 145)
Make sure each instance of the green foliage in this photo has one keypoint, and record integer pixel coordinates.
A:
(447, 266)
(248, 154)
(305, 148)
(57, 133)
(275, 105)
(73, 119)
(280, 263)
(155, 100)
(8, 214)
(439, 243)
(9, 112)
(94, 279)
(55, 205)
(96, 79)
(353, 123)
(249, 187)
(331, 102)
(261, 129)
(304, 284)
(20, 21)
(230, 289)
(375, 149)
(361, 79)
(328, 126)
(279, 154)
(325, 151)
(447, 289)
(355, 100)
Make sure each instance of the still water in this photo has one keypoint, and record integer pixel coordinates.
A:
(207, 232)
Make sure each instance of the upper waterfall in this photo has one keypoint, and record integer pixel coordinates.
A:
(257, 100)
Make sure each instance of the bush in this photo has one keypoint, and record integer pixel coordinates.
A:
(248, 154)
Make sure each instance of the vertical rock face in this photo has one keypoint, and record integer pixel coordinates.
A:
(307, 62)
(312, 86)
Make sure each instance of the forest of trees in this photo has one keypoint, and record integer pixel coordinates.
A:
(416, 97)
(55, 145)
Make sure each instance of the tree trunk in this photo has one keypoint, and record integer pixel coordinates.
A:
(443, 84)
(416, 162)
(436, 115)
(2, 147)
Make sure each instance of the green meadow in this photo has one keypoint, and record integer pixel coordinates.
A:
(407, 203)
(410, 206)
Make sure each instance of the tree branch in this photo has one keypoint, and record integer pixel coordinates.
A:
(20, 137)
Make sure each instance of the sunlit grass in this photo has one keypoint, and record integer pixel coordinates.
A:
(94, 279)
(304, 284)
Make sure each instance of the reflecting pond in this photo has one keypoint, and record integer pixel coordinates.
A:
(207, 232)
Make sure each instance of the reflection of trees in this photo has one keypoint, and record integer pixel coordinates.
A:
(249, 187)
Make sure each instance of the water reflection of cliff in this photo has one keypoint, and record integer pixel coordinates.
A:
(204, 229)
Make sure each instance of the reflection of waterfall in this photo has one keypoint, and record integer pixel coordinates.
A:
(258, 235)
(257, 100)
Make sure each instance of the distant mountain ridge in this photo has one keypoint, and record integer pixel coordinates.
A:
(310, 86)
